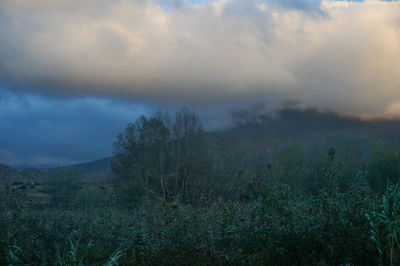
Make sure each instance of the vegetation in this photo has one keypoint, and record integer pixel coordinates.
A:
(182, 196)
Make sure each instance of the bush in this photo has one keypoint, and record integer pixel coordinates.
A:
(383, 168)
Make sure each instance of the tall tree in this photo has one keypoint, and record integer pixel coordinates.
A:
(193, 154)
(156, 149)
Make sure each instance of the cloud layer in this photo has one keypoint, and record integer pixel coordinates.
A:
(342, 56)
(43, 131)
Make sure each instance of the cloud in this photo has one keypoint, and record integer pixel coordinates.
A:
(37, 130)
(310, 5)
(341, 56)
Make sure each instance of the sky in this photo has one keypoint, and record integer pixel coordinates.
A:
(74, 73)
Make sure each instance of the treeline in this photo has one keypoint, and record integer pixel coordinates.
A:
(174, 159)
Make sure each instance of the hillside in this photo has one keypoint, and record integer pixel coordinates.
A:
(294, 123)
(92, 172)
(309, 128)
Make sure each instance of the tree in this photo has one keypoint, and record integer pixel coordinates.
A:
(154, 144)
(189, 141)
(165, 158)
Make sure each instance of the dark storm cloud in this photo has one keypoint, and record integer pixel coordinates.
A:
(36, 130)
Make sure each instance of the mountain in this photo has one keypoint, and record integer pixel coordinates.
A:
(93, 172)
(292, 123)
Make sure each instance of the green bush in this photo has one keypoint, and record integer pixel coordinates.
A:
(383, 168)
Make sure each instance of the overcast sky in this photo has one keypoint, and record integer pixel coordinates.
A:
(73, 73)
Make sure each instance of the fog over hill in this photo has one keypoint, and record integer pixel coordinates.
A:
(283, 127)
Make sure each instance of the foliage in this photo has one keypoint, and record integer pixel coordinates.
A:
(383, 167)
(385, 227)
(162, 158)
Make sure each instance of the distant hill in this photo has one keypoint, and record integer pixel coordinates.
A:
(93, 172)
(96, 171)
(98, 166)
